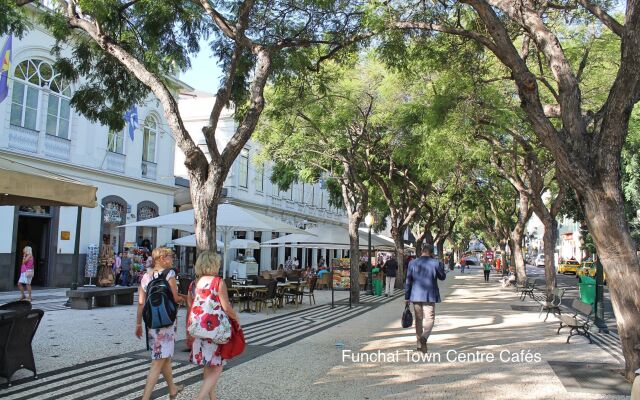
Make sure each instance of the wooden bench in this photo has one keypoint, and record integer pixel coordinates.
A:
(579, 322)
(82, 298)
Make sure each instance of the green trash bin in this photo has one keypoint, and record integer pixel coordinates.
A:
(587, 288)
(377, 282)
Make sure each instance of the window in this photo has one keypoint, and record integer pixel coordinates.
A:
(261, 183)
(290, 192)
(31, 76)
(243, 179)
(115, 142)
(149, 139)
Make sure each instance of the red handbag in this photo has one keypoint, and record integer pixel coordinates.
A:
(236, 344)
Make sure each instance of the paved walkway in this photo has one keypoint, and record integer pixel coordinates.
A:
(475, 319)
(320, 353)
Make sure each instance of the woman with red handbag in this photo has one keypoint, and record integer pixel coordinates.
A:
(210, 313)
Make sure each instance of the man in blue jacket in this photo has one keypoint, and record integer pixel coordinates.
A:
(421, 289)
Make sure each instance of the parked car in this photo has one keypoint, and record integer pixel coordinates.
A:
(568, 267)
(588, 268)
(540, 260)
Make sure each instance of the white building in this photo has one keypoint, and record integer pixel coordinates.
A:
(249, 185)
(134, 177)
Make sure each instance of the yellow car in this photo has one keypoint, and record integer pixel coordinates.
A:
(588, 268)
(568, 266)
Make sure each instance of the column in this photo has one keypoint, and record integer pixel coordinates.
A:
(280, 253)
(303, 262)
(339, 254)
(314, 258)
(249, 236)
(265, 252)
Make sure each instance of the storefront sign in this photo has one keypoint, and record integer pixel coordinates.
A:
(146, 212)
(65, 235)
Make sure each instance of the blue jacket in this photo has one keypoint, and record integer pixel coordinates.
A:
(422, 280)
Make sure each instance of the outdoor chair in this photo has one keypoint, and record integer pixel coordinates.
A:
(293, 295)
(552, 305)
(18, 305)
(579, 322)
(362, 280)
(526, 289)
(309, 293)
(266, 297)
(266, 275)
(16, 335)
(234, 294)
(293, 276)
(264, 281)
(323, 281)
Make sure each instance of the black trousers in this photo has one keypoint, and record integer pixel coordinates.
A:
(486, 276)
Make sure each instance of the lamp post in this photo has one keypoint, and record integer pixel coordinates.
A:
(369, 220)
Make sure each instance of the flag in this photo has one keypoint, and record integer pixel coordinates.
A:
(4, 72)
(131, 118)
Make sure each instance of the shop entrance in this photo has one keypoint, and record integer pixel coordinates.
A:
(34, 232)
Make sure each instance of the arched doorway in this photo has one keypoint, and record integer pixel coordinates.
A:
(145, 236)
(114, 213)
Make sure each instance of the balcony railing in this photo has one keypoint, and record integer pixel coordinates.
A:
(149, 170)
(57, 147)
(23, 139)
(114, 162)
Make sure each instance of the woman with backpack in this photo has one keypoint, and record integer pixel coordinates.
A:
(210, 294)
(161, 340)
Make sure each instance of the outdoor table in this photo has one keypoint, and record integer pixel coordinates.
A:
(250, 289)
(7, 314)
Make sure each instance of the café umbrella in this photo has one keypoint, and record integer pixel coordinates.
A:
(229, 218)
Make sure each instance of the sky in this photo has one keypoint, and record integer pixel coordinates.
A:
(204, 74)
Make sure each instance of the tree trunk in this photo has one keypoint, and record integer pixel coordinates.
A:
(440, 248)
(610, 231)
(419, 243)
(503, 248)
(550, 239)
(205, 210)
(397, 239)
(354, 260)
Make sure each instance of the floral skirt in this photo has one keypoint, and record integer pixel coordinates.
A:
(203, 352)
(163, 341)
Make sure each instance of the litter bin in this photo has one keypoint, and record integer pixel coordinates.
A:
(587, 288)
(377, 281)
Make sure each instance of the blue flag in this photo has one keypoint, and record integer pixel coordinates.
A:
(4, 72)
(131, 118)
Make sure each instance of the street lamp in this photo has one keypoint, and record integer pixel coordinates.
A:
(369, 220)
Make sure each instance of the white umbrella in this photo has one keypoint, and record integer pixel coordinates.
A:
(244, 244)
(331, 236)
(190, 241)
(230, 218)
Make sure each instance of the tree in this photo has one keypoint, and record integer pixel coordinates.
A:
(585, 138)
(125, 49)
(316, 126)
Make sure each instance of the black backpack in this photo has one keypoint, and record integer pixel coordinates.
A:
(160, 309)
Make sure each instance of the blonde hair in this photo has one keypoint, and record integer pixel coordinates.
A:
(207, 264)
(28, 250)
(158, 253)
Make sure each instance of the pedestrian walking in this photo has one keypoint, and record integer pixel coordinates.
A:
(421, 289)
(162, 340)
(26, 272)
(125, 269)
(210, 294)
(390, 268)
(463, 263)
(487, 270)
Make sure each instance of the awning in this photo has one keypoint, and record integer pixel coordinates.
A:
(24, 185)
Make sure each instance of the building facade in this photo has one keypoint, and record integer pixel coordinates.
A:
(132, 169)
(249, 185)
